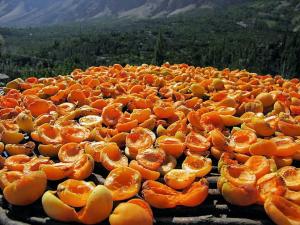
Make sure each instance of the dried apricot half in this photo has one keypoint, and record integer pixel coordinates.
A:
(179, 178)
(123, 182)
(75, 192)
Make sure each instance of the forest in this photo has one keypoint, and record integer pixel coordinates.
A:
(234, 39)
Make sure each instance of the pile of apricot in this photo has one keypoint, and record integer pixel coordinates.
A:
(154, 131)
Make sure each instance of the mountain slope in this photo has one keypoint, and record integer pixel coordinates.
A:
(47, 12)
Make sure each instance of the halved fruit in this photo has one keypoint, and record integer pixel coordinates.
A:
(74, 192)
(282, 211)
(123, 182)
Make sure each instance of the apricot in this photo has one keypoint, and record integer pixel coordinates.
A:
(65, 108)
(50, 150)
(198, 90)
(239, 176)
(293, 196)
(230, 121)
(179, 179)
(2, 147)
(263, 147)
(56, 209)
(290, 176)
(247, 117)
(27, 189)
(255, 106)
(74, 133)
(40, 106)
(241, 140)
(198, 165)
(102, 134)
(262, 128)
(74, 192)
(83, 167)
(226, 114)
(98, 206)
(16, 162)
(95, 149)
(282, 161)
(195, 142)
(218, 139)
(169, 163)
(285, 146)
(139, 139)
(218, 84)
(163, 110)
(8, 177)
(279, 107)
(111, 114)
(70, 152)
(35, 163)
(195, 194)
(57, 171)
(48, 134)
(270, 184)
(238, 195)
(45, 118)
(90, 121)
(228, 102)
(149, 123)
(12, 137)
(123, 182)
(25, 121)
(77, 97)
(141, 115)
(289, 129)
(194, 119)
(260, 165)
(119, 139)
(130, 213)
(145, 173)
(159, 195)
(151, 158)
(111, 156)
(143, 204)
(266, 99)
(210, 121)
(17, 149)
(216, 153)
(50, 90)
(282, 211)
(171, 145)
(126, 126)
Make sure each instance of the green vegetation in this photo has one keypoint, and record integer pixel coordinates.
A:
(255, 37)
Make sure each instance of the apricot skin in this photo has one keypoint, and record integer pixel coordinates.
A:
(26, 190)
(99, 206)
(56, 209)
(128, 214)
(238, 196)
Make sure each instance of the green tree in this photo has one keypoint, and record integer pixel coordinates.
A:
(2, 42)
(159, 50)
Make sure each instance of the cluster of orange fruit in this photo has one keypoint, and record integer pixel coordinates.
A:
(154, 129)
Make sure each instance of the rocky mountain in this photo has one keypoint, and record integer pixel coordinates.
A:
(24, 13)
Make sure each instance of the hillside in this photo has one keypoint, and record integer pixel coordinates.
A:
(24, 13)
